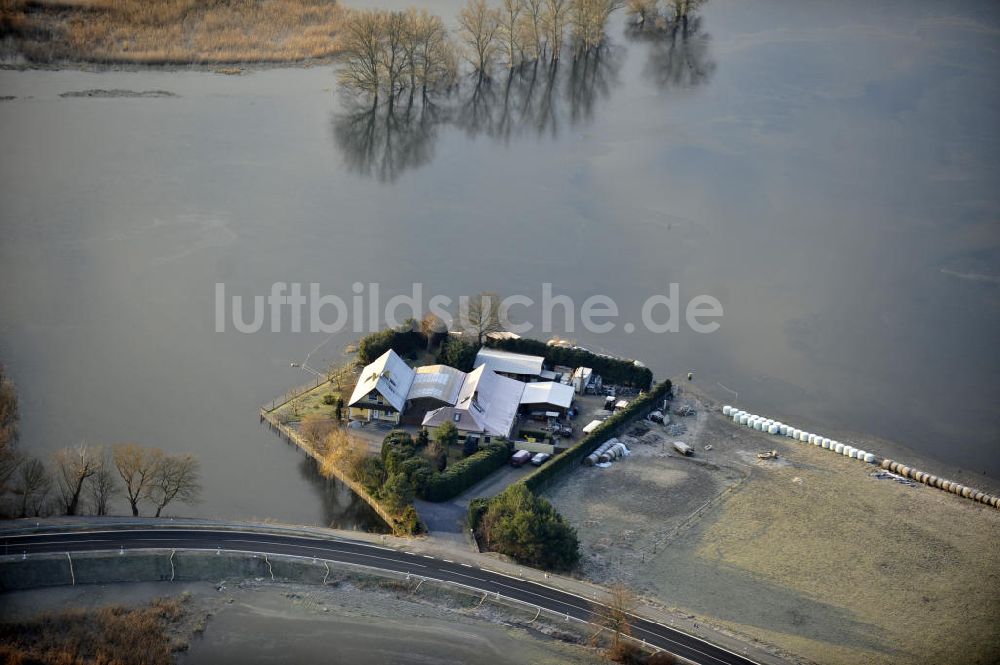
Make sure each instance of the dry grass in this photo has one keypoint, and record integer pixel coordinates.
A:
(171, 32)
(110, 635)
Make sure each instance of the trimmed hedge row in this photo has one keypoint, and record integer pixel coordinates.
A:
(640, 407)
(612, 370)
(462, 475)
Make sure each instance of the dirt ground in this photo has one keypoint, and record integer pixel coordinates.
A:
(808, 552)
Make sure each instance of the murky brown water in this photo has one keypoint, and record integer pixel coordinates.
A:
(829, 173)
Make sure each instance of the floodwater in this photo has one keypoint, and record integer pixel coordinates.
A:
(827, 171)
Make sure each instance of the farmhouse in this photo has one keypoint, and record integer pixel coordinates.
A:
(381, 391)
(486, 407)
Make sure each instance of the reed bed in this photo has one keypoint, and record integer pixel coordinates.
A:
(171, 32)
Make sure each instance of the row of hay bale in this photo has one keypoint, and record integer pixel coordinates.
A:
(610, 450)
(770, 426)
(934, 481)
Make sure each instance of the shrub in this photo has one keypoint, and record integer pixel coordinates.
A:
(329, 399)
(464, 474)
(409, 522)
(405, 340)
(458, 353)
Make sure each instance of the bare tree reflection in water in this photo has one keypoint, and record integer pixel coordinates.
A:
(384, 141)
(679, 55)
(342, 508)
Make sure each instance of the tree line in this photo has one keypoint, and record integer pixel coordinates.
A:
(84, 478)
(391, 53)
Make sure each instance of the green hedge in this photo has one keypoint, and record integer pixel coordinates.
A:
(405, 340)
(612, 370)
(640, 407)
(462, 475)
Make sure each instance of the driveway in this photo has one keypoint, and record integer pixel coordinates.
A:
(449, 519)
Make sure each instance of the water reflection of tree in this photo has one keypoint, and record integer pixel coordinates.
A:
(679, 55)
(341, 507)
(383, 142)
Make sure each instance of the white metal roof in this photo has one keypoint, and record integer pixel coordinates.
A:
(389, 375)
(510, 363)
(487, 403)
(439, 382)
(548, 392)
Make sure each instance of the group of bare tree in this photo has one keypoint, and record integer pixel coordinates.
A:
(385, 142)
(389, 53)
(84, 478)
(525, 32)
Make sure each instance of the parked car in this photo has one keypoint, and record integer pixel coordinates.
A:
(540, 459)
(565, 430)
(520, 458)
(656, 416)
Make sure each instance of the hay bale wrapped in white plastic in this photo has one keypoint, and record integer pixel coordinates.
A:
(743, 419)
(838, 448)
(870, 458)
(783, 429)
(727, 410)
(803, 436)
(773, 429)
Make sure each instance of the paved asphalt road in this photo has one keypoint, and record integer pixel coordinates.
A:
(548, 598)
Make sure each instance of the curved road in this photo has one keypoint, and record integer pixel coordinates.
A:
(343, 551)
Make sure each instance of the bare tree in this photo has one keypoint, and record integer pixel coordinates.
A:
(393, 53)
(555, 18)
(74, 467)
(10, 462)
(176, 478)
(434, 329)
(363, 42)
(32, 487)
(478, 25)
(138, 467)
(510, 27)
(589, 19)
(616, 613)
(8, 412)
(642, 13)
(431, 56)
(103, 486)
(482, 315)
(534, 27)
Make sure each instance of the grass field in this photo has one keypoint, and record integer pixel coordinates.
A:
(171, 32)
(809, 552)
